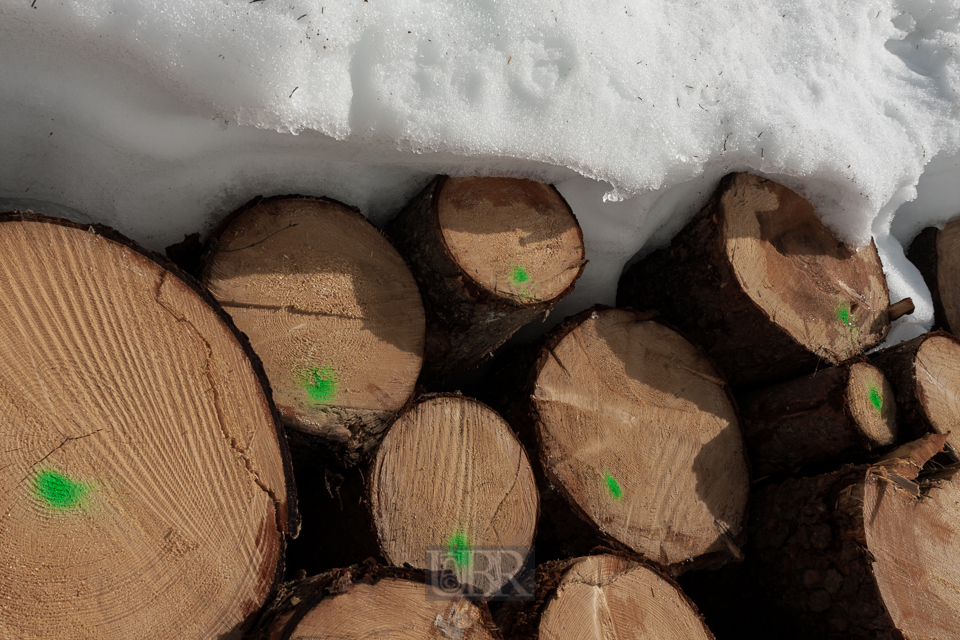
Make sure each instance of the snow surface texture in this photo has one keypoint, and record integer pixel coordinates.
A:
(158, 117)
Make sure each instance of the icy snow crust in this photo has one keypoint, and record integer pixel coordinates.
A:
(159, 117)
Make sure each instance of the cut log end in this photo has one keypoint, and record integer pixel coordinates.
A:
(937, 371)
(392, 608)
(870, 400)
(143, 466)
(369, 601)
(913, 542)
(516, 239)
(490, 255)
(608, 596)
(863, 551)
(332, 311)
(638, 430)
(451, 476)
(830, 299)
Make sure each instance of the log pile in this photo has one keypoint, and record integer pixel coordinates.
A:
(725, 427)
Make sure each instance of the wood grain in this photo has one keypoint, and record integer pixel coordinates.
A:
(143, 475)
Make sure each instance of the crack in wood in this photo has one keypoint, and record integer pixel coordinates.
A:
(218, 411)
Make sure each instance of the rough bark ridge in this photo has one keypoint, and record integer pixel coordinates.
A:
(862, 552)
(751, 344)
(466, 319)
(832, 414)
(923, 254)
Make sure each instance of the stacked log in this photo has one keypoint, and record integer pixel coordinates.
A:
(862, 552)
(490, 255)
(935, 253)
(637, 430)
(143, 468)
(761, 284)
(925, 373)
(604, 596)
(831, 415)
(450, 476)
(372, 601)
(146, 442)
(330, 308)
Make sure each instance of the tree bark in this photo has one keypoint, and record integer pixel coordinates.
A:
(924, 373)
(863, 552)
(825, 417)
(638, 431)
(601, 597)
(936, 253)
(372, 601)
(490, 255)
(448, 480)
(763, 285)
(144, 470)
(332, 310)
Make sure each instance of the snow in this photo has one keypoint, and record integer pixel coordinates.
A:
(159, 117)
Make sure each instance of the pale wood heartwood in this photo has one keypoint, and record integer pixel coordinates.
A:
(392, 608)
(600, 597)
(514, 238)
(490, 255)
(607, 596)
(144, 487)
(330, 308)
(370, 601)
(763, 285)
(638, 430)
(450, 474)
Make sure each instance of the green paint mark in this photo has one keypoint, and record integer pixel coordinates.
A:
(458, 548)
(518, 274)
(614, 487)
(876, 398)
(843, 314)
(58, 491)
(320, 383)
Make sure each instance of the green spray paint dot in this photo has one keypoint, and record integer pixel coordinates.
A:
(320, 383)
(843, 314)
(58, 491)
(518, 274)
(875, 398)
(614, 487)
(458, 548)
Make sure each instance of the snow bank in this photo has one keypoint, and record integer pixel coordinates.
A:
(158, 117)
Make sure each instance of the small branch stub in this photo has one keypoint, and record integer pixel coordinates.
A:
(899, 309)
